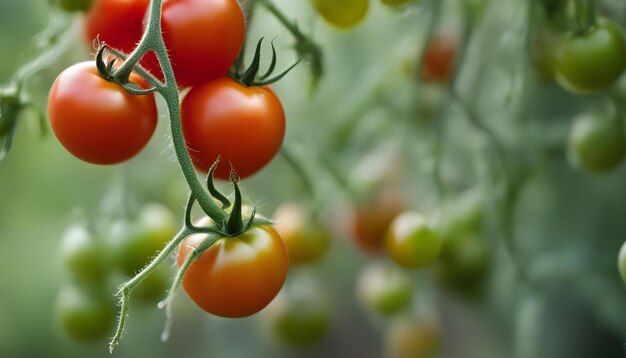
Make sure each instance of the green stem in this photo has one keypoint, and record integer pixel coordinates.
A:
(584, 16)
(284, 20)
(52, 52)
(153, 40)
(167, 302)
(127, 287)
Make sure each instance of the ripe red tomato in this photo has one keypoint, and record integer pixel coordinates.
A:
(237, 276)
(119, 23)
(96, 120)
(307, 239)
(439, 57)
(203, 38)
(244, 126)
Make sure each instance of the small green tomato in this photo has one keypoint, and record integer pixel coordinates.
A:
(592, 61)
(597, 142)
(135, 242)
(83, 253)
(384, 289)
(85, 313)
(411, 242)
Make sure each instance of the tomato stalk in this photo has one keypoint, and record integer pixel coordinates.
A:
(55, 39)
(513, 179)
(305, 46)
(584, 16)
(152, 40)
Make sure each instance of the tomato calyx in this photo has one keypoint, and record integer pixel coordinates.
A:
(13, 101)
(111, 73)
(237, 221)
(250, 76)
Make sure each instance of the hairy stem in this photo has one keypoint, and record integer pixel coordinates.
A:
(127, 287)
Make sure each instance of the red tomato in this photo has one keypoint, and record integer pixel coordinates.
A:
(244, 126)
(203, 38)
(237, 276)
(97, 120)
(119, 23)
(439, 59)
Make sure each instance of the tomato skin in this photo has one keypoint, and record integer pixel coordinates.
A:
(203, 38)
(85, 313)
(411, 243)
(592, 61)
(88, 114)
(384, 289)
(621, 262)
(368, 222)
(597, 142)
(134, 242)
(238, 276)
(244, 126)
(342, 13)
(439, 57)
(307, 239)
(84, 255)
(119, 23)
(96, 120)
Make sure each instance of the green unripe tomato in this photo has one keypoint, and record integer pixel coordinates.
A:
(396, 3)
(411, 242)
(84, 254)
(342, 13)
(384, 289)
(85, 313)
(592, 61)
(74, 5)
(597, 142)
(299, 315)
(621, 262)
(464, 262)
(135, 242)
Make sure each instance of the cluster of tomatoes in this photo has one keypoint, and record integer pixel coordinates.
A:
(586, 60)
(221, 116)
(100, 122)
(97, 255)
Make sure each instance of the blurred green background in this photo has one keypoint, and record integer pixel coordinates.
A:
(569, 225)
